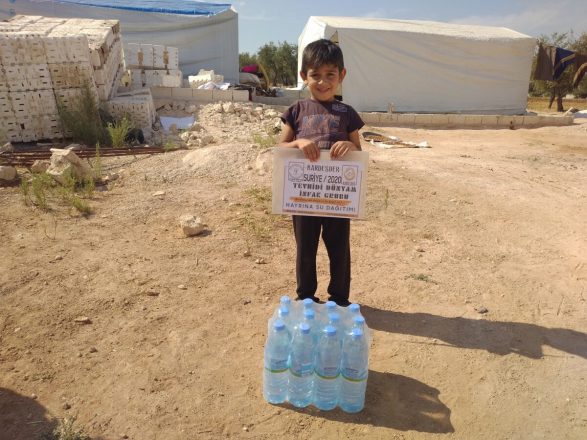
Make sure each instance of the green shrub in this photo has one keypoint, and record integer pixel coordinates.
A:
(83, 119)
(118, 132)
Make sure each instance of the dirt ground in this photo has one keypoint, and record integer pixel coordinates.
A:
(471, 269)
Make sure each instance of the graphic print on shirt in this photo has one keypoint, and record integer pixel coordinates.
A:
(320, 129)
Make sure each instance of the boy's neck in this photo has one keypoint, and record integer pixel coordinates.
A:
(317, 100)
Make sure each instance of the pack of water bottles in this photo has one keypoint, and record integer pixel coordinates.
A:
(316, 354)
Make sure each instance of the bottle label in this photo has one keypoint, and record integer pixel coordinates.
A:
(353, 375)
(276, 365)
(301, 370)
(328, 373)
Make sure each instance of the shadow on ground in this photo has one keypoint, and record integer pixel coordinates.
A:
(397, 402)
(23, 418)
(493, 336)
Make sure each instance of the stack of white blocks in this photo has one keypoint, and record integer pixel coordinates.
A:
(138, 106)
(153, 65)
(46, 60)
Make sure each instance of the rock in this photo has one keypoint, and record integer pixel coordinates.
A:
(74, 147)
(83, 320)
(6, 148)
(152, 292)
(93, 350)
(260, 261)
(158, 193)
(66, 406)
(246, 254)
(482, 310)
(571, 111)
(264, 162)
(246, 301)
(205, 140)
(7, 173)
(228, 107)
(182, 287)
(191, 225)
(64, 161)
(34, 396)
(40, 166)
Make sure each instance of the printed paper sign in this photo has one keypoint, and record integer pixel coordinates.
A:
(326, 188)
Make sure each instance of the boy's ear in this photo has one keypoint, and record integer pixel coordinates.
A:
(342, 74)
(304, 75)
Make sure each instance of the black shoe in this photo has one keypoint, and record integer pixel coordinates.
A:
(340, 302)
(313, 298)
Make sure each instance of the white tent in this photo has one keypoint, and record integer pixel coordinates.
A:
(428, 67)
(205, 33)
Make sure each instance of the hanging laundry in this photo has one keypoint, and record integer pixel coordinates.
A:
(563, 59)
(580, 68)
(544, 63)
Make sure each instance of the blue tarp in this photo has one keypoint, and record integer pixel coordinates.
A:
(184, 7)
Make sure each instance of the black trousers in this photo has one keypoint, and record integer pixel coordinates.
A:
(336, 236)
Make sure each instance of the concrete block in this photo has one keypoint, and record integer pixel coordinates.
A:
(473, 120)
(202, 95)
(456, 120)
(422, 119)
(370, 117)
(182, 93)
(518, 121)
(406, 119)
(221, 95)
(489, 121)
(505, 121)
(240, 95)
(161, 92)
(440, 120)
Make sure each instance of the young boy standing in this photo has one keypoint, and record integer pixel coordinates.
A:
(312, 125)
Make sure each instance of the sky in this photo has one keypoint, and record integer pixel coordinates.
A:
(262, 21)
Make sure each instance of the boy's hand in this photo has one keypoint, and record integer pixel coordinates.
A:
(310, 149)
(340, 148)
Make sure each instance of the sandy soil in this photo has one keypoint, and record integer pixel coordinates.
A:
(487, 221)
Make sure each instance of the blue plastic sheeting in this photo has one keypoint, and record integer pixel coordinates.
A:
(184, 7)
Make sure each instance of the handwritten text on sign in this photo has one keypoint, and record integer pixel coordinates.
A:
(325, 188)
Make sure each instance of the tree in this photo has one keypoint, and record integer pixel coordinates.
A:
(557, 89)
(245, 59)
(280, 62)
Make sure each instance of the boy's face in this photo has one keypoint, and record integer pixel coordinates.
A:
(323, 81)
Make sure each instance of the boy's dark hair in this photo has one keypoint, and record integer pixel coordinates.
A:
(321, 52)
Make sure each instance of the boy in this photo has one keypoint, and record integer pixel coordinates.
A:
(312, 125)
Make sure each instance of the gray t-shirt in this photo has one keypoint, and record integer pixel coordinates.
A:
(324, 123)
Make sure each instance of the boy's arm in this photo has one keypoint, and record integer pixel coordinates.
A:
(340, 148)
(308, 147)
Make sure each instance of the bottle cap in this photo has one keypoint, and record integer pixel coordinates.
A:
(283, 311)
(334, 317)
(359, 320)
(308, 302)
(330, 330)
(279, 325)
(304, 327)
(354, 308)
(285, 300)
(309, 314)
(357, 333)
(330, 305)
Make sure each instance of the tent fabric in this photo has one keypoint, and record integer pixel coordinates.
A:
(428, 67)
(206, 34)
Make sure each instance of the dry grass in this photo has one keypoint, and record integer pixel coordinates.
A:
(541, 104)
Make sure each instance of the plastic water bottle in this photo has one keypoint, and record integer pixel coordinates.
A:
(301, 367)
(354, 371)
(359, 322)
(327, 380)
(275, 373)
(283, 313)
(309, 318)
(325, 310)
(334, 320)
